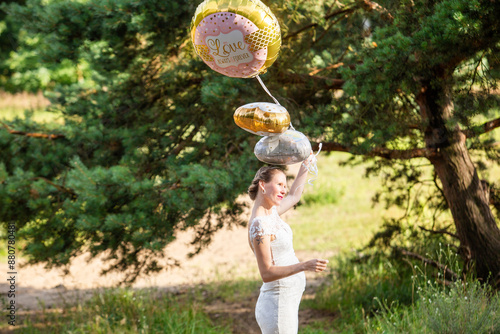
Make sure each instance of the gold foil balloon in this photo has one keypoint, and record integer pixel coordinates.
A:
(262, 118)
(237, 38)
(289, 148)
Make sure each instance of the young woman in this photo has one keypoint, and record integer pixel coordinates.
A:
(271, 240)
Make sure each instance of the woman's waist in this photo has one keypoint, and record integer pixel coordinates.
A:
(287, 259)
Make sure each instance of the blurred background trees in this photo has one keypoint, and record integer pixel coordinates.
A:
(147, 146)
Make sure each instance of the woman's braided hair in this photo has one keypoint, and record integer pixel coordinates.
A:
(263, 174)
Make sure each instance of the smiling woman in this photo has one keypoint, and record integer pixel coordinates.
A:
(271, 240)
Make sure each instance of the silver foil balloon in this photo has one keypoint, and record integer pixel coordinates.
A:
(289, 148)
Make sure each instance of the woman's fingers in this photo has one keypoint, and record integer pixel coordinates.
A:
(321, 265)
(308, 160)
(317, 265)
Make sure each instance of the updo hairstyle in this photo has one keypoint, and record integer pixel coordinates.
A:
(265, 174)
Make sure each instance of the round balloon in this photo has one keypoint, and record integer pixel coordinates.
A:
(237, 38)
(289, 148)
(262, 118)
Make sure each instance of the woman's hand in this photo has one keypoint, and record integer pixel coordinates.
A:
(308, 160)
(316, 265)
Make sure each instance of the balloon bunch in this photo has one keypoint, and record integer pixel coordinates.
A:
(241, 39)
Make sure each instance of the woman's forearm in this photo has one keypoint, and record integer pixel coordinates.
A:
(298, 184)
(274, 273)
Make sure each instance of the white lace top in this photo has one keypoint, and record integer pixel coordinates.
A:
(282, 246)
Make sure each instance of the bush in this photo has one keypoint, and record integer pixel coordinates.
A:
(464, 307)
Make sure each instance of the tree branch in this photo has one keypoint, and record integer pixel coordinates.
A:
(326, 30)
(482, 129)
(185, 142)
(445, 269)
(32, 134)
(321, 82)
(58, 187)
(312, 25)
(443, 231)
(381, 152)
(329, 67)
(434, 179)
(373, 6)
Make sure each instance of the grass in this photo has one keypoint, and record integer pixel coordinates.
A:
(353, 288)
(125, 311)
(229, 291)
(39, 115)
(338, 213)
(16, 105)
(465, 307)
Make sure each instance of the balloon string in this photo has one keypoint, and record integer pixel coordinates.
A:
(313, 167)
(267, 91)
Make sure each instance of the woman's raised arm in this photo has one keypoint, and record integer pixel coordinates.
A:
(296, 189)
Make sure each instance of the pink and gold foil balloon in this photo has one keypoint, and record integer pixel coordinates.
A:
(262, 118)
(237, 38)
(289, 148)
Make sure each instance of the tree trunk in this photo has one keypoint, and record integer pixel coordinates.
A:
(475, 224)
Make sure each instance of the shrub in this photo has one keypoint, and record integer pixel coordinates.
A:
(464, 307)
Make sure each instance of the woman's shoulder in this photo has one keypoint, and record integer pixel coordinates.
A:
(257, 221)
(265, 224)
(264, 218)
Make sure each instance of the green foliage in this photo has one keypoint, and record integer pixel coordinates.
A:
(22, 66)
(351, 220)
(125, 311)
(464, 307)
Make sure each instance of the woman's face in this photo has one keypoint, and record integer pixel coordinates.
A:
(276, 188)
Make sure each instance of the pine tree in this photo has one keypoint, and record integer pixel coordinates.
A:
(149, 147)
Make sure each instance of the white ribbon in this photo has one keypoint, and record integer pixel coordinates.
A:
(312, 167)
(267, 91)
